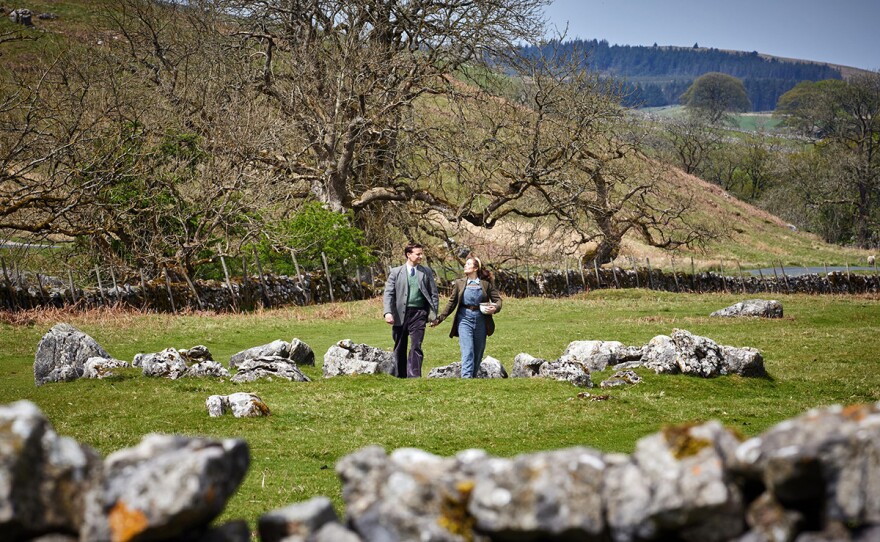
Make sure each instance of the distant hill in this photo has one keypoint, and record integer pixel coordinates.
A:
(658, 75)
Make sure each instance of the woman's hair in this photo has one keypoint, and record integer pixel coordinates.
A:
(482, 272)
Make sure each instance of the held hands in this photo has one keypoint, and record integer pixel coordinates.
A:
(435, 323)
(491, 309)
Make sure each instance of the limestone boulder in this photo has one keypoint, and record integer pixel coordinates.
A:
(660, 355)
(296, 351)
(743, 361)
(526, 366)
(567, 370)
(827, 460)
(595, 355)
(207, 368)
(276, 348)
(348, 358)
(44, 478)
(543, 496)
(62, 353)
(242, 405)
(270, 368)
(168, 363)
(489, 368)
(167, 487)
(677, 484)
(624, 377)
(98, 367)
(754, 308)
(410, 494)
(298, 522)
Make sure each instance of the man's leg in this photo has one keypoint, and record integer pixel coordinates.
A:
(417, 319)
(401, 338)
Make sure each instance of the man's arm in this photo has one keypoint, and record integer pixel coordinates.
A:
(388, 298)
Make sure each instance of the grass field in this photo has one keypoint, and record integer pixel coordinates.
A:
(823, 352)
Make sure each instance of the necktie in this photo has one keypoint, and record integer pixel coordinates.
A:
(412, 271)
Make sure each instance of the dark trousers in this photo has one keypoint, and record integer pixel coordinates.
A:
(413, 326)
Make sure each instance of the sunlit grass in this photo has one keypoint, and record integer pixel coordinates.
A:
(823, 352)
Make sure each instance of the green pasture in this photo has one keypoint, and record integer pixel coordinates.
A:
(825, 351)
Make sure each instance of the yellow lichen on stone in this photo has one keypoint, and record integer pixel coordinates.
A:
(681, 443)
(454, 515)
(126, 523)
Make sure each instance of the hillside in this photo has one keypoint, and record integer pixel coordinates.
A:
(658, 75)
(752, 237)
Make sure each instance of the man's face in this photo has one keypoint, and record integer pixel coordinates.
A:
(415, 257)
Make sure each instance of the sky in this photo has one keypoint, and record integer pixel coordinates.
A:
(845, 32)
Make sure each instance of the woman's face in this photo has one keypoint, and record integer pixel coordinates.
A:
(470, 266)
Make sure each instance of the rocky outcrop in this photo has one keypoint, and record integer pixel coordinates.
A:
(567, 370)
(598, 355)
(270, 368)
(814, 477)
(526, 366)
(62, 353)
(756, 308)
(173, 364)
(242, 405)
(624, 377)
(98, 367)
(691, 354)
(295, 351)
(312, 521)
(489, 368)
(44, 478)
(348, 358)
(165, 488)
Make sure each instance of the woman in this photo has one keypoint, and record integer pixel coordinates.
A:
(472, 326)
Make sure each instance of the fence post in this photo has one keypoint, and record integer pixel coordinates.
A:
(72, 287)
(100, 286)
(12, 301)
(567, 284)
(583, 277)
(723, 278)
(742, 280)
(614, 274)
(115, 287)
(632, 262)
(763, 282)
(596, 269)
(143, 289)
(848, 282)
(232, 299)
(263, 289)
(785, 277)
(693, 275)
(43, 299)
(191, 285)
(674, 274)
(650, 274)
(168, 287)
(528, 277)
(327, 273)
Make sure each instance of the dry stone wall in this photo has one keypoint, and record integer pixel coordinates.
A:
(34, 291)
(813, 477)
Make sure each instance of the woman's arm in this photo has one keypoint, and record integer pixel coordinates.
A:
(451, 304)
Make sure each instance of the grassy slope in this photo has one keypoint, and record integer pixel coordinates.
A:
(756, 238)
(753, 237)
(823, 352)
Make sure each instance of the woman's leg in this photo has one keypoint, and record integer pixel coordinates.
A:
(479, 342)
(466, 343)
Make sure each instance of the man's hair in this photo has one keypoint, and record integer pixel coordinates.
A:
(410, 247)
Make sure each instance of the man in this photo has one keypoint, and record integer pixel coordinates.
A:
(410, 302)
